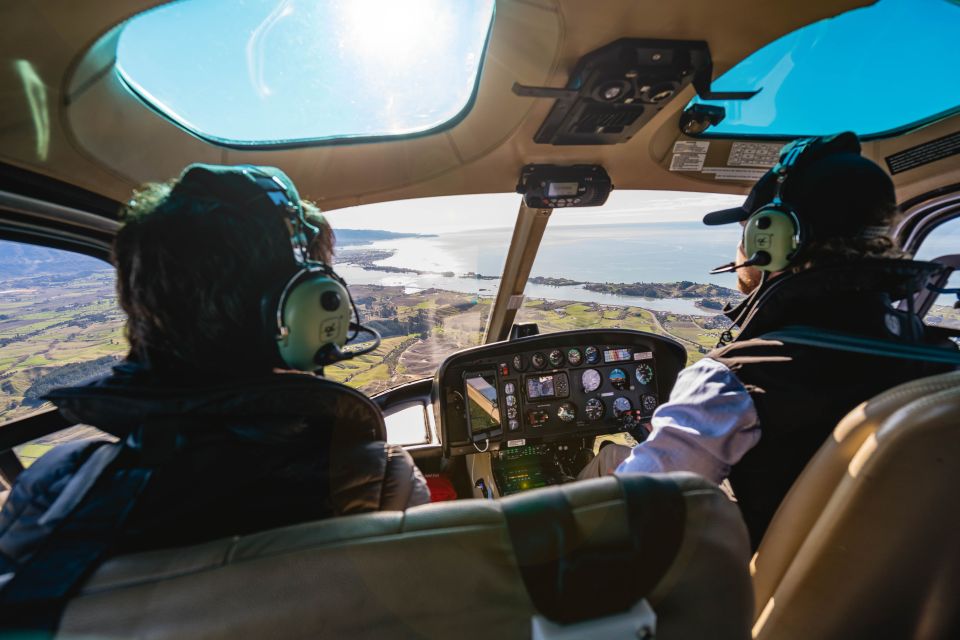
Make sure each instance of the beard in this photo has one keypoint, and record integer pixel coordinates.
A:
(748, 278)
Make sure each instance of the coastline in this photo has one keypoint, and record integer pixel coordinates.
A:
(705, 299)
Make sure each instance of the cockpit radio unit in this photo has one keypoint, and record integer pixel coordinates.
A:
(549, 186)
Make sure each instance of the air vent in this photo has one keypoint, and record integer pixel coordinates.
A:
(608, 120)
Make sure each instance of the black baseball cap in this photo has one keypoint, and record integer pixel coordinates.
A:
(832, 188)
(235, 185)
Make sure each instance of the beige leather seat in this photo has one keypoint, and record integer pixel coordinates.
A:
(805, 501)
(878, 556)
(447, 570)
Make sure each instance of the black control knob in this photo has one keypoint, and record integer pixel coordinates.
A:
(330, 300)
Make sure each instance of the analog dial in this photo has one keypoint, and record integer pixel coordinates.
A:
(567, 412)
(538, 360)
(519, 362)
(590, 379)
(594, 408)
(511, 400)
(556, 357)
(592, 355)
(621, 406)
(512, 413)
(649, 403)
(574, 357)
(509, 388)
(644, 374)
(618, 378)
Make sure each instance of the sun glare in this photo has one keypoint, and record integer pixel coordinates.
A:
(393, 33)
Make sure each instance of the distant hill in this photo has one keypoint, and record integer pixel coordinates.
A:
(17, 259)
(348, 237)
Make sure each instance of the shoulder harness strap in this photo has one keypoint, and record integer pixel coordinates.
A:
(841, 341)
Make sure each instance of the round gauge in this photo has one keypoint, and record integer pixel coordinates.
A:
(556, 357)
(509, 388)
(567, 412)
(574, 357)
(644, 374)
(592, 355)
(511, 401)
(590, 379)
(538, 360)
(618, 378)
(594, 408)
(649, 403)
(512, 413)
(621, 406)
(519, 362)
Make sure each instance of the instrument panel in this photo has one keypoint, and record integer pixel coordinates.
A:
(551, 387)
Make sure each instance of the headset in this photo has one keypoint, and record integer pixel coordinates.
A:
(774, 235)
(310, 316)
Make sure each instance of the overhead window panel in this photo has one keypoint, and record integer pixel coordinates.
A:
(269, 72)
(877, 71)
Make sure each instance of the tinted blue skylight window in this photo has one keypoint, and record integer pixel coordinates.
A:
(872, 70)
(255, 72)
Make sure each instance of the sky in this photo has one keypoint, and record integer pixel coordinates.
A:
(487, 211)
(880, 67)
(275, 70)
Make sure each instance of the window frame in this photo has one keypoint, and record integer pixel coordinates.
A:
(49, 222)
(922, 216)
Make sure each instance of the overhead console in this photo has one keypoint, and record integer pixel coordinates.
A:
(552, 387)
(615, 90)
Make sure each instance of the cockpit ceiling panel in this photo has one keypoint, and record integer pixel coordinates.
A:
(88, 129)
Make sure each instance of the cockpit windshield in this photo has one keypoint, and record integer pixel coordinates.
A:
(425, 273)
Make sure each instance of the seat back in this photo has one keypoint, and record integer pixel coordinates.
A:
(808, 496)
(882, 558)
(437, 571)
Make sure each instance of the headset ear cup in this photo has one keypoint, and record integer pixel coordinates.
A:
(315, 314)
(774, 232)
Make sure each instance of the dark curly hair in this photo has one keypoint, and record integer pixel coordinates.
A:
(192, 276)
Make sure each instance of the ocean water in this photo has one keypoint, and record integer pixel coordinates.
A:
(654, 252)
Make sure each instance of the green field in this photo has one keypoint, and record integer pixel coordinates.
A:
(51, 329)
(57, 331)
(51, 325)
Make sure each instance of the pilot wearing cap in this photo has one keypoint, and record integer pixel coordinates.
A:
(816, 252)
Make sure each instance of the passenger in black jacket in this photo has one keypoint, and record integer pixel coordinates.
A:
(216, 436)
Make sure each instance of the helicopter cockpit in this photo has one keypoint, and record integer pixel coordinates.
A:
(517, 189)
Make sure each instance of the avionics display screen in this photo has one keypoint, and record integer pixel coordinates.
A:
(483, 407)
(562, 189)
(540, 387)
(617, 355)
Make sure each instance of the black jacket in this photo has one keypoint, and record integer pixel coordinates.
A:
(223, 459)
(801, 392)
